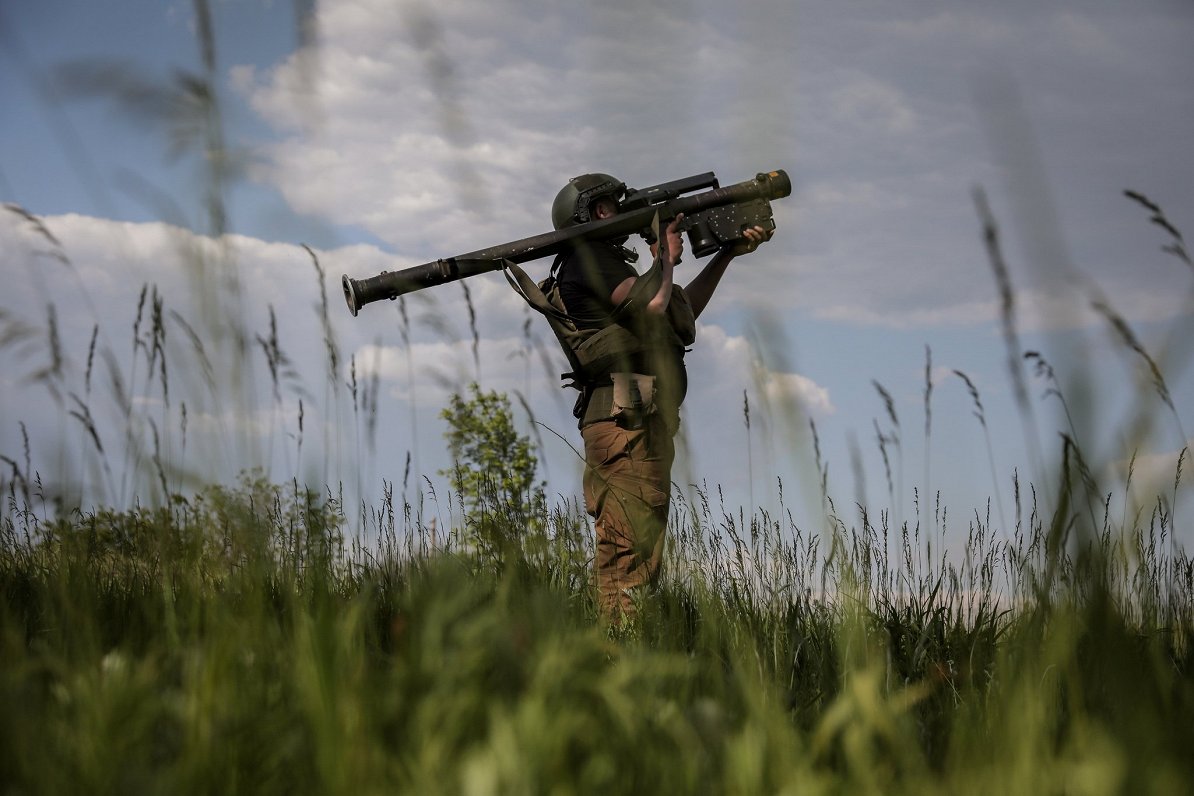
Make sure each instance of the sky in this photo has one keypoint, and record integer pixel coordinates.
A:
(234, 184)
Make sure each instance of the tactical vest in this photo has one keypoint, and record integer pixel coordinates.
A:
(594, 354)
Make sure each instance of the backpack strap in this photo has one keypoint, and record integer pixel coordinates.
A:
(593, 352)
(645, 287)
(533, 294)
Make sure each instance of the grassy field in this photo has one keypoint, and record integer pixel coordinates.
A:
(234, 641)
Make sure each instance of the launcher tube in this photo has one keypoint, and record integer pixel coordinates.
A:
(391, 284)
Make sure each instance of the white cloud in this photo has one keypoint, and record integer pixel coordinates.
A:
(863, 101)
(784, 388)
(442, 130)
(1035, 310)
(437, 125)
(732, 362)
(1156, 473)
(967, 314)
(1081, 33)
(433, 371)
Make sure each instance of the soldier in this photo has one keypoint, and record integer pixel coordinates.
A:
(625, 337)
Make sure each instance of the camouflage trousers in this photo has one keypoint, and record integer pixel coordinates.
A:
(627, 483)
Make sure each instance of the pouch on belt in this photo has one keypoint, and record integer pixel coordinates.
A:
(633, 398)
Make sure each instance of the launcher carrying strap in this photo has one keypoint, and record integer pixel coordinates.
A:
(645, 287)
(593, 352)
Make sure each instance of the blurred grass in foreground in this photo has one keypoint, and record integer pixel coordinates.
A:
(234, 641)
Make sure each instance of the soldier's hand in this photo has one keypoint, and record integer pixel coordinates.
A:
(675, 240)
(752, 238)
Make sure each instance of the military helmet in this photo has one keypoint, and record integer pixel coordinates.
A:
(573, 201)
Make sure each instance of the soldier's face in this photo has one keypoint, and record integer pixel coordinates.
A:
(604, 208)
